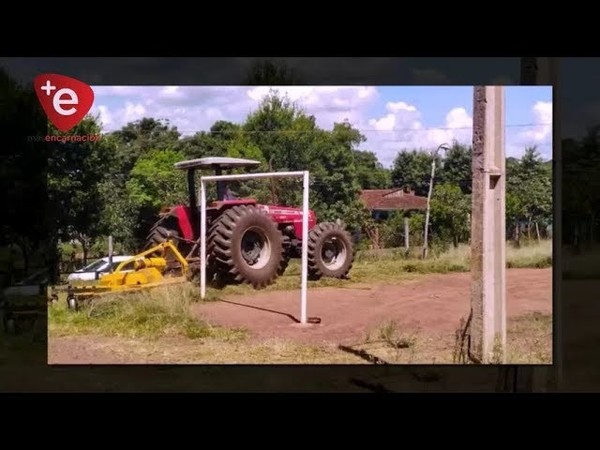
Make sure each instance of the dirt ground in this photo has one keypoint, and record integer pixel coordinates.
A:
(432, 304)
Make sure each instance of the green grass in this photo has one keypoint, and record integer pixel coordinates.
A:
(392, 265)
(150, 316)
(534, 255)
(165, 311)
(160, 312)
(529, 339)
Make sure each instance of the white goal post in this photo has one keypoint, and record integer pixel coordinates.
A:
(305, 210)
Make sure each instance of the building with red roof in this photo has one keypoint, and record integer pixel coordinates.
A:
(382, 202)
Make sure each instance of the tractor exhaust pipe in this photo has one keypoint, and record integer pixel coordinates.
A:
(221, 186)
(191, 180)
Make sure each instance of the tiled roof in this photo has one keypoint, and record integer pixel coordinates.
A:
(392, 199)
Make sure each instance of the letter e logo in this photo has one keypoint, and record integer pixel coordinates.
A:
(65, 100)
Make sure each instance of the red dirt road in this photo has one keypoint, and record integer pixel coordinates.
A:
(432, 304)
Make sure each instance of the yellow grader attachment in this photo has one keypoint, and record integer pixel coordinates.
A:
(146, 272)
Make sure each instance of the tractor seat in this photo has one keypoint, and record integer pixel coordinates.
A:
(230, 195)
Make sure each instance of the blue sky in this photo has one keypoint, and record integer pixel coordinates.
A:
(391, 118)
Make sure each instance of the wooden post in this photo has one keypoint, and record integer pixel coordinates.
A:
(488, 228)
(406, 234)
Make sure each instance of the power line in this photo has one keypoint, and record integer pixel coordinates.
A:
(368, 130)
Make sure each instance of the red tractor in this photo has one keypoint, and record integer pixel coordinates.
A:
(246, 241)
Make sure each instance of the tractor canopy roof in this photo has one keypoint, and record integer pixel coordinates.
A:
(216, 162)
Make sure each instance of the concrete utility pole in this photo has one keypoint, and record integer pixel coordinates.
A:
(488, 228)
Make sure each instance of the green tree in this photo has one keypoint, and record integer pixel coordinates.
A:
(137, 138)
(529, 189)
(27, 220)
(200, 145)
(289, 139)
(393, 230)
(456, 167)
(282, 131)
(370, 172)
(413, 168)
(335, 182)
(124, 215)
(154, 184)
(119, 213)
(76, 172)
(450, 210)
(240, 146)
(214, 142)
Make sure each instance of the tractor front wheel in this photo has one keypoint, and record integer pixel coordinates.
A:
(330, 252)
(245, 244)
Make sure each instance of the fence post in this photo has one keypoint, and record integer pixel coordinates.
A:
(406, 234)
(110, 253)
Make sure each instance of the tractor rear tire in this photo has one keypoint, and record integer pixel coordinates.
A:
(162, 231)
(246, 246)
(330, 252)
(286, 255)
(166, 227)
(160, 234)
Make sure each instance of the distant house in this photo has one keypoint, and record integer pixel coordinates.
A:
(382, 202)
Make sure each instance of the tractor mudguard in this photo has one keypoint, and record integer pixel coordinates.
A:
(183, 214)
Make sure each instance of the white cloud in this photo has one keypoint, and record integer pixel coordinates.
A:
(537, 133)
(542, 130)
(188, 108)
(400, 125)
(329, 104)
(170, 90)
(399, 106)
(194, 108)
(403, 128)
(133, 111)
(105, 115)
